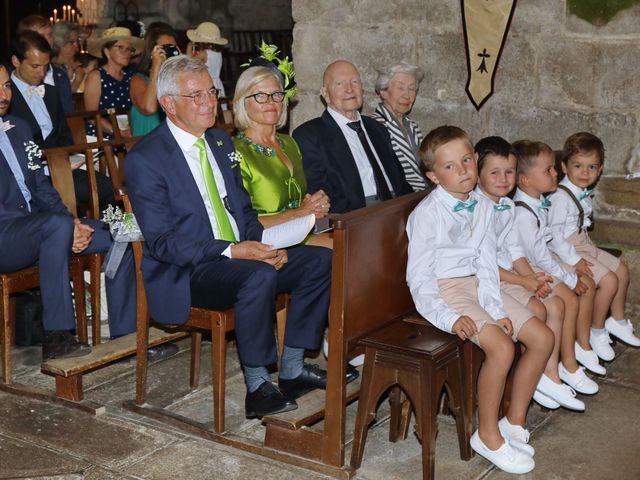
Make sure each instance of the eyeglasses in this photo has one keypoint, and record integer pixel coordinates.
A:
(200, 97)
(123, 49)
(261, 97)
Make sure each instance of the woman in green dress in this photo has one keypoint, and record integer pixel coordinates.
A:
(270, 162)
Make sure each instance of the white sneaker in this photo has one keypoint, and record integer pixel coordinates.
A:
(506, 458)
(517, 436)
(577, 380)
(601, 344)
(589, 359)
(623, 332)
(561, 393)
(544, 401)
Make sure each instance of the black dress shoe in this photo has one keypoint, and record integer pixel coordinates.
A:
(63, 344)
(352, 373)
(162, 351)
(312, 377)
(267, 400)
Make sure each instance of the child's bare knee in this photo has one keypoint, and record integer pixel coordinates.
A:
(609, 282)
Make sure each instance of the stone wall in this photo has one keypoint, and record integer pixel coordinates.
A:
(558, 74)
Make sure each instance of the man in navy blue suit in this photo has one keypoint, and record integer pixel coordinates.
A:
(35, 227)
(346, 154)
(203, 242)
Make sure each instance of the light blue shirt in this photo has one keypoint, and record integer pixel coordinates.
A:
(36, 105)
(7, 150)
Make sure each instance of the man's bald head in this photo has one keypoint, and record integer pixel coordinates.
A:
(342, 88)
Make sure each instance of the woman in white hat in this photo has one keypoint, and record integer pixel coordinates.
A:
(204, 44)
(108, 86)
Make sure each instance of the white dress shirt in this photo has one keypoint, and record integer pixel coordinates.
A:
(186, 142)
(535, 240)
(37, 106)
(359, 155)
(563, 220)
(508, 240)
(445, 244)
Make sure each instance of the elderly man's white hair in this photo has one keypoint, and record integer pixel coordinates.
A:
(171, 69)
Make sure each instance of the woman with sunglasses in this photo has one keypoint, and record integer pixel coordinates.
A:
(108, 86)
(270, 162)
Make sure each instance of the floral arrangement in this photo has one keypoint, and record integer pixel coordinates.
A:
(124, 228)
(34, 154)
(235, 158)
(269, 58)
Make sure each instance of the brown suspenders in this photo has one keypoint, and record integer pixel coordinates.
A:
(577, 202)
(520, 203)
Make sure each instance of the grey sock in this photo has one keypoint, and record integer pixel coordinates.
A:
(255, 376)
(291, 363)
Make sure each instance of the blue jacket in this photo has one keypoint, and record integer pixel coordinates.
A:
(173, 218)
(44, 198)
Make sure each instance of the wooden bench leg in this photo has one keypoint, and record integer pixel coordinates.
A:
(80, 304)
(400, 416)
(95, 302)
(427, 397)
(456, 401)
(69, 387)
(218, 367)
(196, 349)
(6, 335)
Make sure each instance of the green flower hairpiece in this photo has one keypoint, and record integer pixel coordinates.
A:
(283, 67)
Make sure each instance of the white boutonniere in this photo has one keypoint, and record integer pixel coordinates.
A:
(235, 158)
(34, 154)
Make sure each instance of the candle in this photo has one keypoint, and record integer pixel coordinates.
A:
(74, 18)
(55, 15)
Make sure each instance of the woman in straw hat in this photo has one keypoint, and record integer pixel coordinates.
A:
(108, 87)
(205, 42)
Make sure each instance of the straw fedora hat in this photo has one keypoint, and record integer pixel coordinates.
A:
(206, 32)
(114, 34)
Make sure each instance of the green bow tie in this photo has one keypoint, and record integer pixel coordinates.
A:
(470, 205)
(502, 207)
(545, 203)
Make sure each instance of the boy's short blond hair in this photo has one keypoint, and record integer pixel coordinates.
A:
(582, 142)
(435, 139)
(527, 152)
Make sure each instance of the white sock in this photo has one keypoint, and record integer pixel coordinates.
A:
(596, 332)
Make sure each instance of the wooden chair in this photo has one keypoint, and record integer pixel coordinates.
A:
(59, 163)
(218, 322)
(224, 117)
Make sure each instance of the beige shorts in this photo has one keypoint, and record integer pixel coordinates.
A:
(603, 262)
(461, 294)
(515, 300)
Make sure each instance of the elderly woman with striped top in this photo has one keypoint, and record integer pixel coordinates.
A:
(397, 86)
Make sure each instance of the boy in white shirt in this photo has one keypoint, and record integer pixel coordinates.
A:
(569, 219)
(496, 179)
(536, 174)
(453, 277)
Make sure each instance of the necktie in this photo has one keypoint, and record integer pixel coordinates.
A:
(586, 194)
(501, 207)
(544, 203)
(381, 184)
(224, 225)
(39, 90)
(470, 205)
(6, 149)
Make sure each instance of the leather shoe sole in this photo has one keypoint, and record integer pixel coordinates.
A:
(267, 400)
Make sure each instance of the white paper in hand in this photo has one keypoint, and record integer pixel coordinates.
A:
(289, 233)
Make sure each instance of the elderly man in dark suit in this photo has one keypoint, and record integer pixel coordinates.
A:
(35, 227)
(346, 154)
(203, 242)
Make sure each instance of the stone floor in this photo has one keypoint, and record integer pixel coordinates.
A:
(43, 440)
